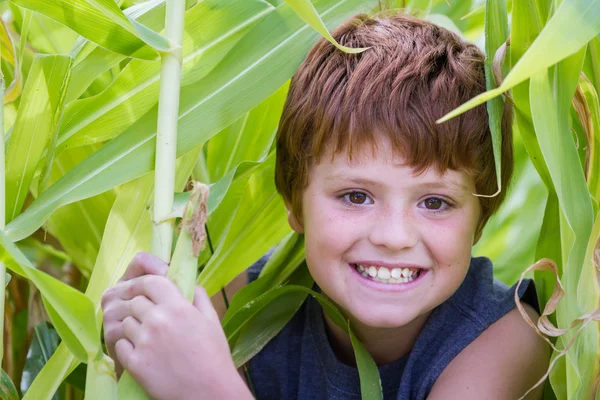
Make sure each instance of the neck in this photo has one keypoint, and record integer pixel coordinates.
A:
(385, 345)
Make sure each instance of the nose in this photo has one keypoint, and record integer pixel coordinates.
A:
(395, 230)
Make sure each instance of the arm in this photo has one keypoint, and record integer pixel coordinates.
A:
(505, 361)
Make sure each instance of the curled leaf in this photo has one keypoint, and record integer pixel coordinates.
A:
(544, 326)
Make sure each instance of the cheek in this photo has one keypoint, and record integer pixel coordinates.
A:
(451, 239)
(328, 231)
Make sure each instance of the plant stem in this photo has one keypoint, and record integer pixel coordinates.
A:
(2, 215)
(166, 137)
(164, 171)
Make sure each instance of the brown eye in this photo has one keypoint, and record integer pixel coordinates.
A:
(434, 203)
(357, 197)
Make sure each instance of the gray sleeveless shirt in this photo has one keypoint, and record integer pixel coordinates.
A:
(299, 362)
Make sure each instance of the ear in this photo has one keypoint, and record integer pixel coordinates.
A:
(292, 220)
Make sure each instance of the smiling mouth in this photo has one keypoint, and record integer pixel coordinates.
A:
(387, 275)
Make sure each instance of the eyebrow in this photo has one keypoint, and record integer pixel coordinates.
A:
(445, 184)
(353, 179)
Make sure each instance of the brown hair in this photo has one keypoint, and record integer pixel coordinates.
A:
(413, 74)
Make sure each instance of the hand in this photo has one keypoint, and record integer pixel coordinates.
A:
(174, 349)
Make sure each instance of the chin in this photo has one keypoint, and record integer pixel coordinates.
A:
(382, 319)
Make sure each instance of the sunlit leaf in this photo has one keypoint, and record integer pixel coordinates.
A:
(254, 226)
(551, 46)
(70, 311)
(247, 139)
(261, 62)
(79, 226)
(551, 93)
(39, 109)
(9, 55)
(496, 33)
(102, 22)
(135, 90)
(306, 11)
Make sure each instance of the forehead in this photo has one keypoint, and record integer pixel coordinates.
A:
(379, 164)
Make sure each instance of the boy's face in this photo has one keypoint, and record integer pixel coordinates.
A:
(377, 213)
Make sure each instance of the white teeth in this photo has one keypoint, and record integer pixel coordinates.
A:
(383, 273)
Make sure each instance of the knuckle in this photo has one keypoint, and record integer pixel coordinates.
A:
(112, 333)
(157, 320)
(106, 297)
(108, 312)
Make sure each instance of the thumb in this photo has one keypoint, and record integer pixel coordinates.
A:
(204, 305)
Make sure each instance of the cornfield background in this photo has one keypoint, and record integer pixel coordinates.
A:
(80, 116)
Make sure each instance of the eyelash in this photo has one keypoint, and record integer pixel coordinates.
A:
(342, 198)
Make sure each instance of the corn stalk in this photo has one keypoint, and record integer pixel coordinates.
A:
(166, 147)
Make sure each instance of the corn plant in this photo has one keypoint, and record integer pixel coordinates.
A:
(86, 99)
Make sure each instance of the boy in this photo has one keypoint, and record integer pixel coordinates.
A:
(385, 199)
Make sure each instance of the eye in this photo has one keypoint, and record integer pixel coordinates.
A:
(435, 204)
(356, 198)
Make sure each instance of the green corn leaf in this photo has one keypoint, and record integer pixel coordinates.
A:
(264, 326)
(79, 226)
(509, 240)
(247, 336)
(283, 262)
(48, 380)
(101, 380)
(591, 67)
(307, 12)
(547, 246)
(262, 61)
(8, 391)
(102, 22)
(496, 33)
(135, 90)
(551, 93)
(257, 225)
(39, 108)
(43, 34)
(91, 60)
(369, 375)
(370, 383)
(247, 139)
(71, 312)
(550, 47)
(593, 168)
(525, 27)
(43, 345)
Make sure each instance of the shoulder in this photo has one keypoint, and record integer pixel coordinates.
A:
(503, 362)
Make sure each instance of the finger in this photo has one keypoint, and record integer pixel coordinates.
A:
(124, 350)
(139, 307)
(204, 305)
(157, 289)
(145, 264)
(132, 330)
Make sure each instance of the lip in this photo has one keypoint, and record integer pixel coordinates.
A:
(389, 287)
(387, 265)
